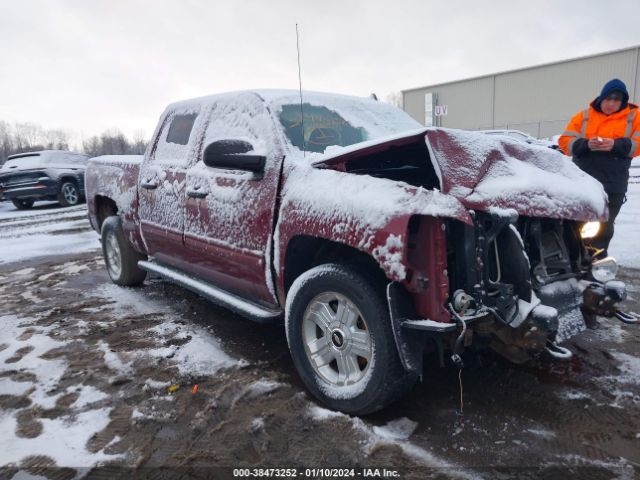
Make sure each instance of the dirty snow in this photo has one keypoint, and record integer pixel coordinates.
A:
(573, 395)
(396, 432)
(618, 385)
(63, 440)
(542, 433)
(202, 354)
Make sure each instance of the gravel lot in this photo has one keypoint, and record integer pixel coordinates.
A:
(99, 380)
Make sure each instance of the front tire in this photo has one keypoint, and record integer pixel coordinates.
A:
(69, 194)
(340, 337)
(120, 258)
(22, 204)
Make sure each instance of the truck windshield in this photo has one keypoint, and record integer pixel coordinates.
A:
(322, 128)
(335, 121)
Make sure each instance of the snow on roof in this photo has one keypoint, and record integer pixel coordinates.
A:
(268, 95)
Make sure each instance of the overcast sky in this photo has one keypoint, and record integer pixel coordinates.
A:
(91, 65)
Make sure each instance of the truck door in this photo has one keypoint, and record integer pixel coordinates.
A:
(162, 185)
(230, 213)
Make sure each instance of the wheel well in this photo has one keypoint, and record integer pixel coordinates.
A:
(305, 252)
(68, 178)
(105, 207)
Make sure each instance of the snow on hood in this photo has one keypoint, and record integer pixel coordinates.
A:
(491, 173)
(486, 172)
(337, 197)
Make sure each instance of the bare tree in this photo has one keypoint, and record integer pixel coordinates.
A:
(139, 142)
(27, 136)
(6, 141)
(56, 139)
(114, 142)
(395, 99)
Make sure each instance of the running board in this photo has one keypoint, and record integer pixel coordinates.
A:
(238, 304)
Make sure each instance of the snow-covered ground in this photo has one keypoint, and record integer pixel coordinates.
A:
(33, 368)
(47, 229)
(627, 229)
(95, 374)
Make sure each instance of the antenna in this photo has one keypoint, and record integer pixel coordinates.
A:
(300, 84)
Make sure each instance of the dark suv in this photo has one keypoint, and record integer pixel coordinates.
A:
(45, 175)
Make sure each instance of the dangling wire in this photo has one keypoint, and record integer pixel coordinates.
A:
(461, 401)
(300, 84)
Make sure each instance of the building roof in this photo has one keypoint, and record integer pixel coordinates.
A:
(557, 62)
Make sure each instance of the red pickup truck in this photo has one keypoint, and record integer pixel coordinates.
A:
(377, 239)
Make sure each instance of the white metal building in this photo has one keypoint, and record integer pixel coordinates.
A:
(538, 100)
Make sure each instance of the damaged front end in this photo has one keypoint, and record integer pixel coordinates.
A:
(518, 285)
(515, 274)
(534, 277)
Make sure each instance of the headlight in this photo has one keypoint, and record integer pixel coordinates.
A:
(590, 229)
(605, 269)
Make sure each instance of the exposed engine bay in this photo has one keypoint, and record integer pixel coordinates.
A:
(532, 277)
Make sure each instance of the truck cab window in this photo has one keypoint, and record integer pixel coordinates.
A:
(180, 129)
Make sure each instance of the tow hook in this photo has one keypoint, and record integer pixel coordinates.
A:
(556, 351)
(626, 317)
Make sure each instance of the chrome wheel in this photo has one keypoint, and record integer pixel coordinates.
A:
(113, 256)
(336, 339)
(70, 193)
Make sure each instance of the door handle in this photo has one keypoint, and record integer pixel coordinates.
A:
(196, 193)
(149, 185)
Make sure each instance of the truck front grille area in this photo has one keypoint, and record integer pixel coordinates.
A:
(500, 260)
(549, 245)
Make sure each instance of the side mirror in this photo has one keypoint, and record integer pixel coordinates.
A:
(232, 154)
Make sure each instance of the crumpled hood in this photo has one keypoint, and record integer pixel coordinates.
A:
(490, 173)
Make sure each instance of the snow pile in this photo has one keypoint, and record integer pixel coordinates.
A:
(485, 171)
(394, 433)
(627, 230)
(400, 429)
(257, 389)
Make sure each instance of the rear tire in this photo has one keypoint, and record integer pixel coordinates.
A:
(120, 258)
(69, 194)
(340, 337)
(23, 204)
